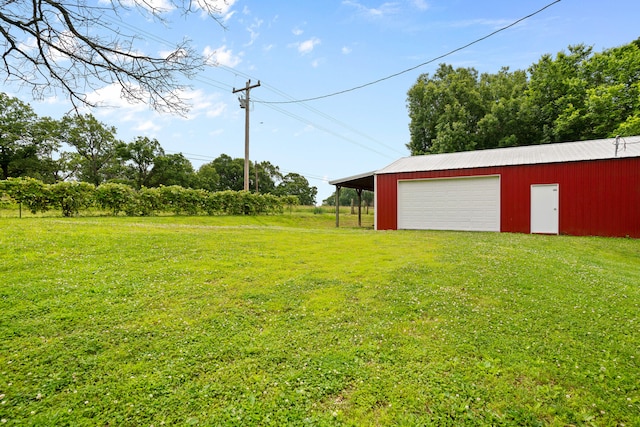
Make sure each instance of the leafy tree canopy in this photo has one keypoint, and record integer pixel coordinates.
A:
(575, 95)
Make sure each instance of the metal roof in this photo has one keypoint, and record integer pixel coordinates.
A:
(599, 149)
(363, 181)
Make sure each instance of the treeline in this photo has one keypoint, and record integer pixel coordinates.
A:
(81, 148)
(71, 197)
(578, 95)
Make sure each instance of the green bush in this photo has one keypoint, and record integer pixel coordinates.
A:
(273, 204)
(71, 196)
(114, 197)
(147, 201)
(179, 200)
(32, 193)
(211, 203)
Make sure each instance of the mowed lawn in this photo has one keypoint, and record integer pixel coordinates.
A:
(285, 320)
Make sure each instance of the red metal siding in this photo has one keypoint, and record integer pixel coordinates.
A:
(596, 197)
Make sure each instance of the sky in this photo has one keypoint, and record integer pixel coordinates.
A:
(308, 48)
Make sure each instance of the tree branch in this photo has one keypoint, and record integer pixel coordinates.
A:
(49, 45)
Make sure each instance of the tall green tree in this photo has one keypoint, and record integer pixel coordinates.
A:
(575, 95)
(208, 178)
(230, 171)
(613, 97)
(294, 184)
(444, 111)
(95, 145)
(556, 95)
(172, 169)
(268, 175)
(138, 157)
(504, 123)
(16, 147)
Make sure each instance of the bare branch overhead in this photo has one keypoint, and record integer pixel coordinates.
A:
(76, 48)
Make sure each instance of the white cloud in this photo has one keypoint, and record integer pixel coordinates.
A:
(227, 16)
(223, 6)
(346, 50)
(111, 96)
(297, 31)
(221, 56)
(385, 9)
(316, 62)
(202, 104)
(216, 110)
(421, 4)
(147, 126)
(161, 6)
(253, 31)
(307, 46)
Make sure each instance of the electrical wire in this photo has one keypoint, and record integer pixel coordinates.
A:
(311, 109)
(226, 87)
(451, 52)
(204, 158)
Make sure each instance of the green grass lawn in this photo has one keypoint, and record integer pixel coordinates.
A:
(285, 320)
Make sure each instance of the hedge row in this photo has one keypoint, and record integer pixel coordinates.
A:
(72, 197)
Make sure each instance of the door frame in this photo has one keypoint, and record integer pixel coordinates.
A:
(545, 209)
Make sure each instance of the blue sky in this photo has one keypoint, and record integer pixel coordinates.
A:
(308, 48)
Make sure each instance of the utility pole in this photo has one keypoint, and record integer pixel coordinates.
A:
(245, 103)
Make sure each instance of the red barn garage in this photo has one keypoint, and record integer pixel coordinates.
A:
(575, 188)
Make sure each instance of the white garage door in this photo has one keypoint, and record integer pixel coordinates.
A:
(471, 204)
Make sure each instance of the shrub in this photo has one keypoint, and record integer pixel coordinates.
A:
(273, 204)
(211, 203)
(146, 202)
(71, 196)
(114, 197)
(32, 193)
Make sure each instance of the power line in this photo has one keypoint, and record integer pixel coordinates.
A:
(204, 158)
(451, 52)
(226, 87)
(313, 110)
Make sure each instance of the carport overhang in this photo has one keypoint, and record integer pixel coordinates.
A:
(363, 181)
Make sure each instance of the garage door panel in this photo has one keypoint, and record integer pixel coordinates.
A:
(450, 204)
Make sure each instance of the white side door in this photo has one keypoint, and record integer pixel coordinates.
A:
(545, 205)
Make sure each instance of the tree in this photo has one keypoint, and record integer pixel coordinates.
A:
(294, 184)
(48, 165)
(556, 95)
(172, 169)
(348, 195)
(613, 95)
(573, 96)
(208, 178)
(444, 111)
(503, 124)
(77, 47)
(230, 171)
(139, 157)
(95, 144)
(268, 177)
(16, 119)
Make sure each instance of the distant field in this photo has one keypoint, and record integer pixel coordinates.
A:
(285, 320)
